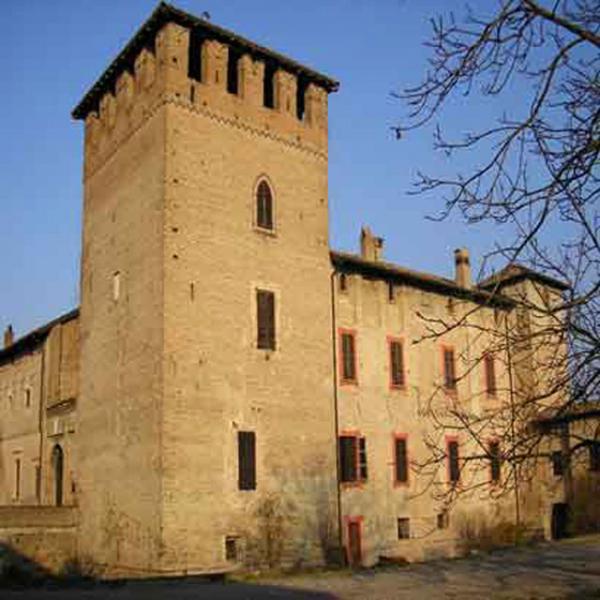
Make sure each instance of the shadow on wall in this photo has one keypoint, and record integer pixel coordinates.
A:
(585, 510)
(18, 573)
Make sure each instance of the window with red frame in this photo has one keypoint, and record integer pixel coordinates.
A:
(449, 369)
(353, 458)
(453, 464)
(490, 374)
(348, 356)
(397, 363)
(401, 460)
(495, 461)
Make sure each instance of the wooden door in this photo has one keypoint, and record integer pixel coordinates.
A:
(354, 544)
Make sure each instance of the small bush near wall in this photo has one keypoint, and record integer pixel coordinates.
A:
(478, 533)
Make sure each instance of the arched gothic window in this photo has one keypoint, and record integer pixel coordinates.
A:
(58, 467)
(264, 206)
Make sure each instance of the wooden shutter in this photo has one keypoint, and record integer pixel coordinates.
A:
(494, 452)
(362, 459)
(348, 362)
(246, 460)
(397, 363)
(348, 455)
(401, 461)
(449, 371)
(453, 466)
(490, 375)
(265, 319)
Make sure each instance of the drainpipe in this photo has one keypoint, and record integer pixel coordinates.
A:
(41, 420)
(337, 421)
(512, 423)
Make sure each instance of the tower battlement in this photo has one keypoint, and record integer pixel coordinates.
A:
(178, 58)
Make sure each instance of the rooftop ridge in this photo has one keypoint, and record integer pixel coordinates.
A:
(419, 278)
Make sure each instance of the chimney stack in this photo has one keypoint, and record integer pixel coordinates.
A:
(9, 336)
(371, 247)
(463, 267)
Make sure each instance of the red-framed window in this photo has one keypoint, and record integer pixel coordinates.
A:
(401, 461)
(453, 458)
(495, 457)
(347, 356)
(449, 368)
(397, 366)
(353, 457)
(490, 374)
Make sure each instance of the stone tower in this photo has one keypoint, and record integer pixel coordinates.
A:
(205, 213)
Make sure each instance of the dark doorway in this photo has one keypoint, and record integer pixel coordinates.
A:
(354, 544)
(58, 467)
(560, 520)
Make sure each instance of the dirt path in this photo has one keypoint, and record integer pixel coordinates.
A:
(569, 570)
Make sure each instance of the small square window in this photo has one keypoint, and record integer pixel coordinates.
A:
(404, 528)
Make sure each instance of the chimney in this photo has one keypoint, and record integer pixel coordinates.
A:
(371, 247)
(9, 336)
(463, 267)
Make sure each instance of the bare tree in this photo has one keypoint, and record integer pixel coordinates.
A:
(533, 170)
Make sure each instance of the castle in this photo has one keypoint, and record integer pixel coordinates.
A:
(231, 390)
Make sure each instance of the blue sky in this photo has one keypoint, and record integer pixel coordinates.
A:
(52, 51)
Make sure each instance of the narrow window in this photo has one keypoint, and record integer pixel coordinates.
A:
(264, 206)
(195, 55)
(495, 461)
(594, 449)
(58, 470)
(17, 479)
(442, 520)
(348, 350)
(301, 87)
(38, 483)
(449, 369)
(343, 283)
(453, 466)
(397, 363)
(557, 463)
(233, 58)
(390, 289)
(27, 398)
(490, 375)
(403, 528)
(265, 319)
(231, 550)
(268, 85)
(116, 290)
(353, 458)
(401, 460)
(246, 460)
